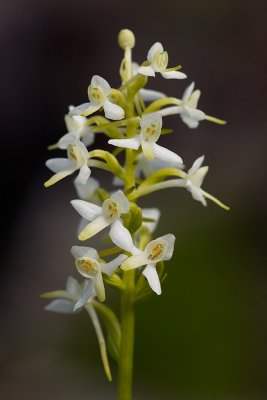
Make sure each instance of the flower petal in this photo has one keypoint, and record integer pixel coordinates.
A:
(135, 261)
(110, 267)
(173, 75)
(169, 239)
(60, 306)
(83, 176)
(154, 49)
(188, 91)
(83, 251)
(67, 139)
(87, 210)
(120, 198)
(79, 109)
(86, 191)
(93, 228)
(98, 81)
(113, 111)
(151, 213)
(147, 70)
(152, 277)
(198, 176)
(190, 122)
(196, 192)
(166, 155)
(88, 138)
(58, 164)
(151, 95)
(73, 287)
(133, 143)
(121, 237)
(57, 177)
(196, 165)
(86, 294)
(99, 287)
(148, 149)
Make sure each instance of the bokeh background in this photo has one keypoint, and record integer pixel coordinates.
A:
(205, 337)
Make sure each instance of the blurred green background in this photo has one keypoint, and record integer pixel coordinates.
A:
(205, 336)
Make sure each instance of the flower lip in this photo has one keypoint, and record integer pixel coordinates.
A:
(96, 95)
(87, 267)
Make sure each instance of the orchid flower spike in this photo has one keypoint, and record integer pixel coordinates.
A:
(101, 217)
(88, 265)
(158, 62)
(160, 249)
(77, 160)
(98, 93)
(73, 298)
(78, 129)
(150, 132)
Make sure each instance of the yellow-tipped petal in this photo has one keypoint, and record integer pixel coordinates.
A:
(57, 177)
(93, 228)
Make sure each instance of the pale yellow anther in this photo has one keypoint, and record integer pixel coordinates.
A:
(96, 94)
(156, 251)
(86, 266)
(73, 152)
(126, 39)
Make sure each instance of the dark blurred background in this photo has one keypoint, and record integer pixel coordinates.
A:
(205, 337)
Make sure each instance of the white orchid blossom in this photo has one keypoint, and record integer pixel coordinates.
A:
(73, 298)
(98, 92)
(158, 62)
(147, 94)
(77, 160)
(147, 167)
(78, 129)
(188, 108)
(150, 132)
(194, 179)
(88, 264)
(101, 217)
(160, 249)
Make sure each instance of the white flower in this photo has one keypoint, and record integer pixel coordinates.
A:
(147, 167)
(150, 132)
(154, 215)
(88, 264)
(147, 94)
(194, 179)
(78, 129)
(188, 108)
(77, 159)
(160, 249)
(98, 93)
(86, 192)
(73, 298)
(158, 59)
(101, 217)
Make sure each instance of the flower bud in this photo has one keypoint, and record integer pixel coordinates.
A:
(126, 39)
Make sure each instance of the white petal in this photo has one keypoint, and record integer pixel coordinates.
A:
(93, 228)
(88, 138)
(173, 75)
(58, 164)
(135, 261)
(171, 110)
(198, 176)
(196, 192)
(69, 138)
(192, 102)
(152, 277)
(86, 294)
(117, 181)
(135, 67)
(148, 149)
(57, 177)
(133, 143)
(83, 251)
(151, 213)
(194, 113)
(83, 176)
(196, 165)
(98, 81)
(79, 109)
(169, 239)
(166, 155)
(113, 111)
(87, 210)
(87, 190)
(82, 149)
(151, 95)
(110, 267)
(154, 49)
(147, 71)
(120, 198)
(91, 109)
(73, 287)
(188, 91)
(190, 122)
(121, 237)
(60, 306)
(149, 119)
(99, 287)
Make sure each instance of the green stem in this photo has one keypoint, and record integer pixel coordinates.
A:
(127, 338)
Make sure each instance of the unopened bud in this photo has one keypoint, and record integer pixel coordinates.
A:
(126, 39)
